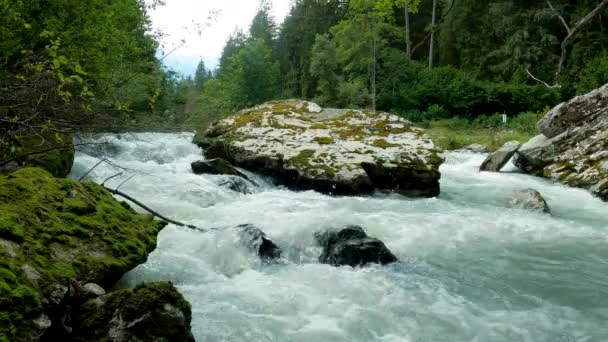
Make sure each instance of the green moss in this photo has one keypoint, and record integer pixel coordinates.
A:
(324, 140)
(383, 143)
(304, 163)
(318, 126)
(64, 230)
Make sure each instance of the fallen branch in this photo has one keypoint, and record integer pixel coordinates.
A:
(146, 208)
(91, 169)
(143, 206)
(21, 156)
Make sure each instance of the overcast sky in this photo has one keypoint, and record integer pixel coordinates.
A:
(204, 37)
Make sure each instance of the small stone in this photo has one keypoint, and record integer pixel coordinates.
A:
(90, 291)
(56, 293)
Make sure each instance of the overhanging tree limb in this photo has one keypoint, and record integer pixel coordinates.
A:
(572, 33)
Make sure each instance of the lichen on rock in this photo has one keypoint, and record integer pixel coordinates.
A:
(305, 146)
(56, 231)
(573, 146)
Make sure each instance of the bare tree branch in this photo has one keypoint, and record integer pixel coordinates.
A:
(575, 31)
(559, 16)
(107, 179)
(541, 81)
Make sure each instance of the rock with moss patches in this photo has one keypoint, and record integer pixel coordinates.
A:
(529, 199)
(573, 146)
(55, 233)
(351, 246)
(57, 153)
(333, 151)
(148, 313)
(497, 160)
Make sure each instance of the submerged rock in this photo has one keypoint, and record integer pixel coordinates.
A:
(497, 160)
(215, 166)
(334, 151)
(477, 148)
(55, 232)
(148, 313)
(529, 199)
(573, 146)
(237, 184)
(351, 246)
(256, 240)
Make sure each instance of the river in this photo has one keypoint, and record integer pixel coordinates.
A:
(470, 269)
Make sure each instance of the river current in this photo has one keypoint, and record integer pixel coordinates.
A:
(471, 268)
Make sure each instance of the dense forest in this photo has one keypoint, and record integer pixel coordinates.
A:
(79, 65)
(429, 60)
(95, 65)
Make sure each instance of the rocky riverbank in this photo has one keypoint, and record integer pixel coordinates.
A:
(573, 146)
(55, 236)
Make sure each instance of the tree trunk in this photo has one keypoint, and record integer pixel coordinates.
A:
(408, 40)
(432, 44)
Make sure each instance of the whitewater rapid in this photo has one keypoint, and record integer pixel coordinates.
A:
(471, 269)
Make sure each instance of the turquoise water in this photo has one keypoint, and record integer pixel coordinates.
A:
(471, 268)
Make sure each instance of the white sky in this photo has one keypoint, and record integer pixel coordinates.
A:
(204, 37)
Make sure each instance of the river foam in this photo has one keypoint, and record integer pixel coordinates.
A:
(471, 268)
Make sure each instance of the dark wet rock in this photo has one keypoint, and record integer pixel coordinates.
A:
(90, 291)
(55, 233)
(351, 246)
(237, 184)
(529, 199)
(148, 313)
(337, 151)
(256, 240)
(573, 146)
(497, 160)
(215, 166)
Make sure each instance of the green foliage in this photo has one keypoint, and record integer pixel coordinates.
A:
(61, 230)
(249, 77)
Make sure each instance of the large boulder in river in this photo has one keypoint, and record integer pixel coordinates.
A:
(573, 146)
(351, 246)
(334, 151)
(529, 199)
(55, 233)
(497, 160)
(149, 313)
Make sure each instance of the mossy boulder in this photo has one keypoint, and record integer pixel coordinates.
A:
(56, 153)
(573, 146)
(55, 232)
(149, 312)
(337, 151)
